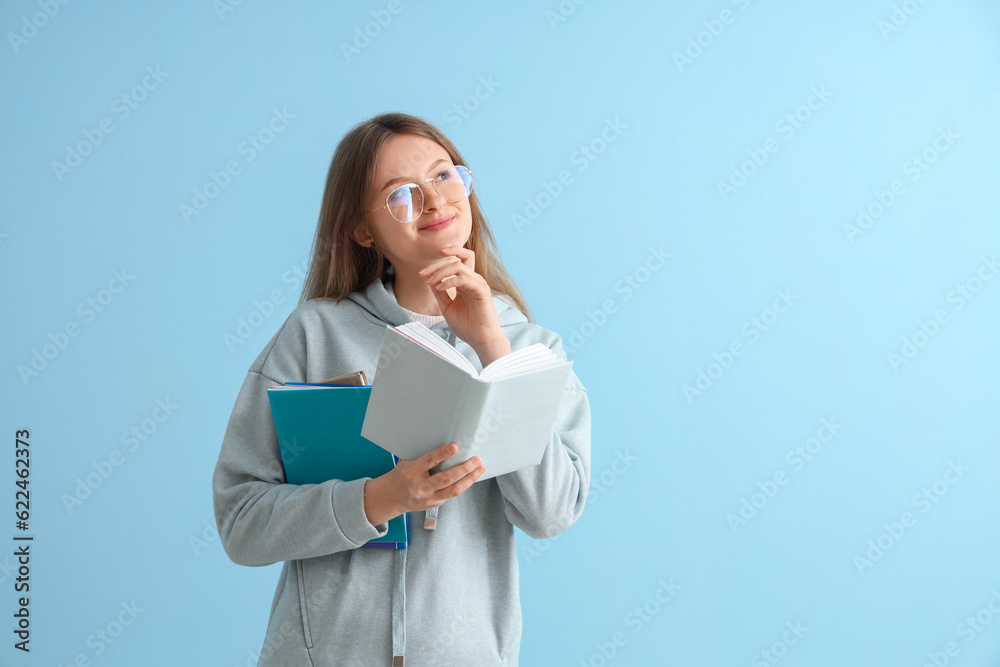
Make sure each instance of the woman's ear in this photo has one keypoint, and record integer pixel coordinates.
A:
(361, 237)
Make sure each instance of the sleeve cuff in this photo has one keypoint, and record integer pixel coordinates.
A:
(349, 510)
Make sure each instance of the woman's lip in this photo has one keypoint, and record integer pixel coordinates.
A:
(444, 224)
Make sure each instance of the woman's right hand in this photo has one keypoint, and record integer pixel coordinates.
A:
(410, 487)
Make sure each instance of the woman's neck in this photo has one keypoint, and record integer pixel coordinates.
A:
(413, 293)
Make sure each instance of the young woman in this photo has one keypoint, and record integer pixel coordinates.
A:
(401, 237)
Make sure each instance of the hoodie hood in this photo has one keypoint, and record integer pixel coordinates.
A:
(378, 301)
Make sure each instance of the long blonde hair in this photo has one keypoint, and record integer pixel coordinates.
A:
(339, 264)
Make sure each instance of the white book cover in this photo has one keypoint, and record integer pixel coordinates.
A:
(425, 394)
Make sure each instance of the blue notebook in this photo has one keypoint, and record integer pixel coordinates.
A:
(319, 431)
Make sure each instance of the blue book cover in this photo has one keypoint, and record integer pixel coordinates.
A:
(319, 435)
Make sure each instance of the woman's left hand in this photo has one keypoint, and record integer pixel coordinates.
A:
(471, 314)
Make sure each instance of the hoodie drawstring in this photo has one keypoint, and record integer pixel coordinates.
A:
(399, 583)
(399, 610)
(399, 595)
(430, 518)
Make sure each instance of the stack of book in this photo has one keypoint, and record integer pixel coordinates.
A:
(319, 435)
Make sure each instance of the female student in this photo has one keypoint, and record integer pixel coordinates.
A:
(401, 237)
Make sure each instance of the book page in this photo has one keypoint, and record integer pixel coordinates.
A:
(526, 359)
(421, 333)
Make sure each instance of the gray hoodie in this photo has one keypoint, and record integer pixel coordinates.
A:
(451, 597)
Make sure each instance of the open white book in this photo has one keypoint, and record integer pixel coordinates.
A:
(426, 394)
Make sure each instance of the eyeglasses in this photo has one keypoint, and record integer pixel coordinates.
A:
(406, 203)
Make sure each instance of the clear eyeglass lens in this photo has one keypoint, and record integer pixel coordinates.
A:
(406, 202)
(454, 184)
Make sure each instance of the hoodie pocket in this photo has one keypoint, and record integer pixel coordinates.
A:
(300, 578)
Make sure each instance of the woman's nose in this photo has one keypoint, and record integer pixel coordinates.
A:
(432, 200)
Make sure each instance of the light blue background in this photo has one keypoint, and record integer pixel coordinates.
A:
(147, 534)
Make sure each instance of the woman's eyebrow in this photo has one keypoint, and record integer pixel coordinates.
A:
(407, 178)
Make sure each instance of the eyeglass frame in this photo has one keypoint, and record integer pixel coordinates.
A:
(421, 190)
